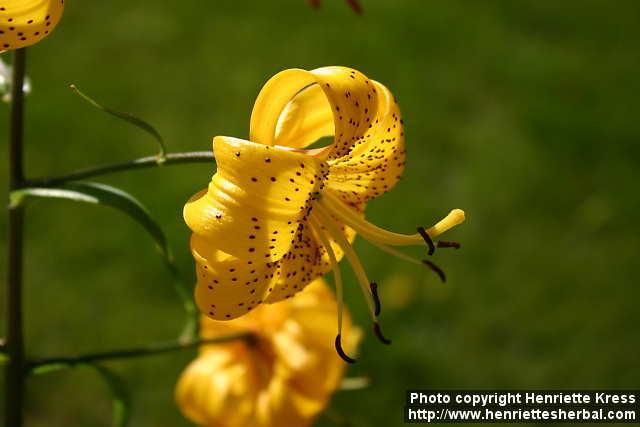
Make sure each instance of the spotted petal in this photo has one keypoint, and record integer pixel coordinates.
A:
(306, 261)
(228, 287)
(251, 241)
(298, 268)
(256, 199)
(296, 108)
(377, 162)
(25, 22)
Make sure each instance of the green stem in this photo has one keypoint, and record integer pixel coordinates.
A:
(148, 350)
(141, 163)
(190, 329)
(14, 345)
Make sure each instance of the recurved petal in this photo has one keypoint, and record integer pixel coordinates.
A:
(353, 99)
(271, 101)
(256, 200)
(305, 119)
(376, 162)
(296, 108)
(25, 22)
(348, 94)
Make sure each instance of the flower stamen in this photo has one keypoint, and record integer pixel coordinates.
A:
(340, 351)
(427, 239)
(378, 332)
(336, 234)
(396, 253)
(435, 269)
(374, 293)
(372, 298)
(337, 276)
(445, 244)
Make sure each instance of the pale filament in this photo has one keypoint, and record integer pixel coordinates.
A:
(337, 274)
(336, 234)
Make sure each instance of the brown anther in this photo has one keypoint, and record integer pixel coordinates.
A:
(355, 5)
(435, 269)
(376, 300)
(341, 352)
(444, 244)
(378, 332)
(427, 240)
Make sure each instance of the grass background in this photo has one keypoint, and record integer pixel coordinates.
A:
(525, 113)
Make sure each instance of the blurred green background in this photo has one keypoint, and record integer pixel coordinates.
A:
(524, 113)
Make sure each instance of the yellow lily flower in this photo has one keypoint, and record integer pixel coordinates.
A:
(26, 22)
(284, 376)
(277, 215)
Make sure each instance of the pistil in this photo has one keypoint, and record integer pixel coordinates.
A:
(376, 234)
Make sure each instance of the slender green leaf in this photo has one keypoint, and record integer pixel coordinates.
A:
(119, 394)
(130, 118)
(49, 368)
(101, 194)
(16, 197)
(121, 406)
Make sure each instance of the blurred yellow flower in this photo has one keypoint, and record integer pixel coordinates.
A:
(26, 22)
(285, 376)
(277, 215)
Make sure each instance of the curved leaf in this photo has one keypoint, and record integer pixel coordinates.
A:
(139, 123)
(121, 400)
(49, 368)
(101, 194)
(119, 394)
